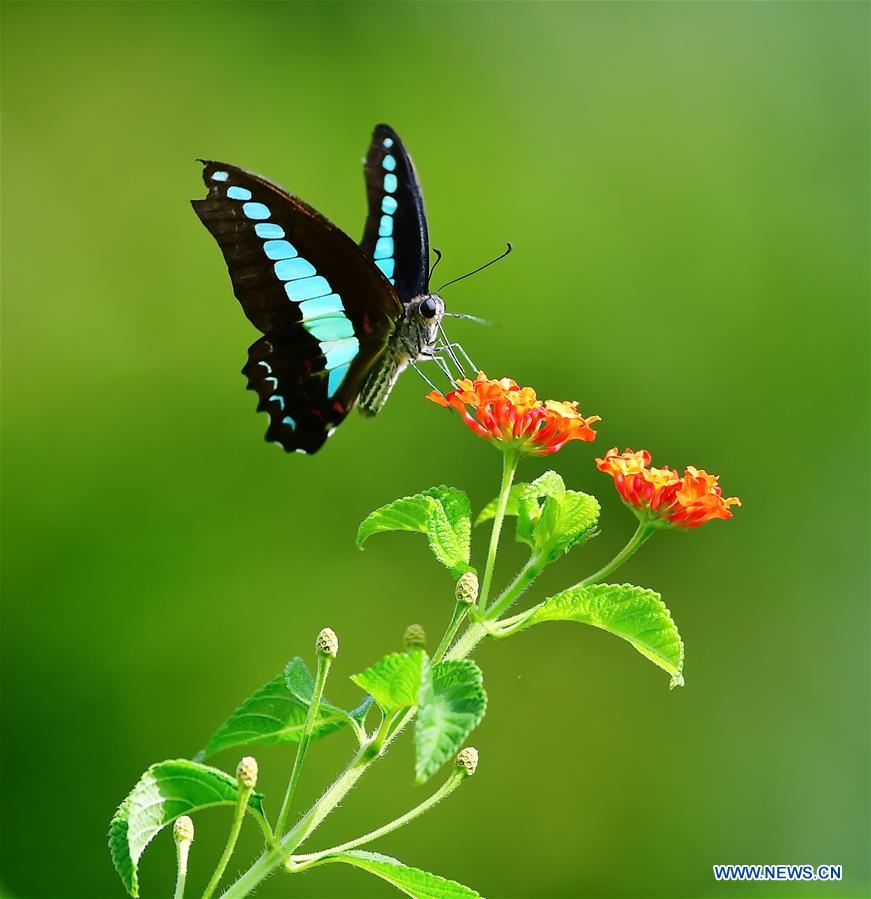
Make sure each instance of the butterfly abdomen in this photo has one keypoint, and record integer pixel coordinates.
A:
(377, 387)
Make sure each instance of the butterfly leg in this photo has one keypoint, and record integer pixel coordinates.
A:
(449, 348)
(415, 367)
(465, 355)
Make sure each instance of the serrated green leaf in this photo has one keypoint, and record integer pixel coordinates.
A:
(272, 715)
(442, 513)
(532, 515)
(394, 681)
(566, 523)
(635, 614)
(451, 704)
(301, 684)
(451, 535)
(550, 519)
(164, 792)
(489, 511)
(412, 881)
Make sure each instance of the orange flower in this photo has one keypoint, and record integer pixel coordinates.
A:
(659, 494)
(514, 417)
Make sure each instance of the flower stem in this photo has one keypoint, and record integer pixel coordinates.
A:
(445, 790)
(642, 533)
(509, 467)
(530, 571)
(310, 718)
(238, 817)
(182, 849)
(460, 612)
(474, 634)
(280, 851)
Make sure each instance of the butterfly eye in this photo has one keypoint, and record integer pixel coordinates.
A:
(428, 308)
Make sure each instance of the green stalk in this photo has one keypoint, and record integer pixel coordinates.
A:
(182, 849)
(644, 530)
(238, 817)
(510, 458)
(273, 857)
(445, 790)
(460, 612)
(280, 852)
(324, 662)
(530, 571)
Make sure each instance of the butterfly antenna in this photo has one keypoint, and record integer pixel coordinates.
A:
(479, 269)
(438, 253)
(473, 318)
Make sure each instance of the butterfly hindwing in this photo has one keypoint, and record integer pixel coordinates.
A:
(287, 373)
(326, 310)
(396, 235)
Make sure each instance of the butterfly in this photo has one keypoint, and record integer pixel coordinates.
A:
(340, 321)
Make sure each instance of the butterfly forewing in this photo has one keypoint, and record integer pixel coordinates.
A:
(396, 234)
(325, 310)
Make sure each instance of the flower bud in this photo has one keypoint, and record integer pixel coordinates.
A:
(468, 759)
(327, 643)
(183, 830)
(415, 637)
(246, 772)
(467, 588)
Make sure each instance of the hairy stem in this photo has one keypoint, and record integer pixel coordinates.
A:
(309, 726)
(280, 852)
(464, 647)
(530, 571)
(509, 467)
(460, 612)
(642, 533)
(445, 790)
(276, 855)
(235, 827)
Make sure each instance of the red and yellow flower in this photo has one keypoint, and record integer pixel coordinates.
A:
(660, 494)
(512, 416)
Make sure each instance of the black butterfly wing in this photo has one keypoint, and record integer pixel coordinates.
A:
(326, 310)
(287, 373)
(396, 233)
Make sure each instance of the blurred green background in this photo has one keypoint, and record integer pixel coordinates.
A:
(686, 186)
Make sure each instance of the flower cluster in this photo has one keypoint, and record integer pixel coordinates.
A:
(661, 495)
(514, 417)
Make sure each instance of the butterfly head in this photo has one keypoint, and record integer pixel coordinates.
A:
(424, 317)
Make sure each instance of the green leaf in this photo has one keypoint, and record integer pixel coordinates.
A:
(550, 519)
(452, 702)
(566, 523)
(442, 513)
(274, 714)
(635, 614)
(412, 881)
(394, 681)
(164, 792)
(489, 511)
(532, 515)
(301, 684)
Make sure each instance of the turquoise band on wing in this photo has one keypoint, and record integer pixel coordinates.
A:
(384, 253)
(323, 313)
(279, 249)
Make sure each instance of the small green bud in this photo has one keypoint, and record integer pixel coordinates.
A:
(327, 643)
(415, 637)
(467, 588)
(183, 830)
(246, 772)
(468, 759)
